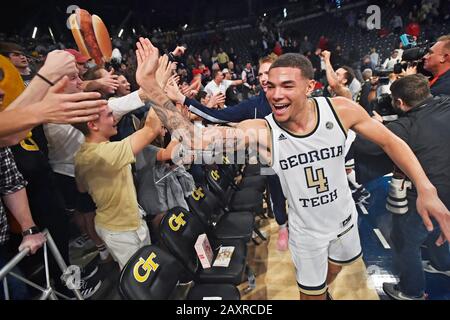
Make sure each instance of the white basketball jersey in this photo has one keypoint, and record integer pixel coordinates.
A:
(311, 169)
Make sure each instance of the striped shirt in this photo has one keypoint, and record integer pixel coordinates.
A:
(11, 181)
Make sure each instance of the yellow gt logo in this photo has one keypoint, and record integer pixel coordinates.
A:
(175, 222)
(147, 265)
(28, 143)
(215, 175)
(197, 194)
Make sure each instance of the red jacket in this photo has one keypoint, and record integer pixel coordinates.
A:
(323, 43)
(278, 50)
(413, 29)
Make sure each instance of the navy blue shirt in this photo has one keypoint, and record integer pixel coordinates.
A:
(254, 108)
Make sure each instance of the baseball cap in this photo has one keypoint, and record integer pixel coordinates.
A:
(79, 58)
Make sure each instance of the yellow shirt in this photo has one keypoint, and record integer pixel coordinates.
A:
(222, 58)
(104, 170)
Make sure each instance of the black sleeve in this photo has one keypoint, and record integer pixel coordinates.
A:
(400, 128)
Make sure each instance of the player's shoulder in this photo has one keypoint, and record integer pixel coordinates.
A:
(345, 105)
(341, 102)
(254, 123)
(348, 111)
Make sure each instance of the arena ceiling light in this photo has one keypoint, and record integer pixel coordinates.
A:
(284, 12)
(51, 34)
(34, 33)
(134, 31)
(120, 33)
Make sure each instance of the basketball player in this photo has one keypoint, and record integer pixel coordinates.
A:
(306, 143)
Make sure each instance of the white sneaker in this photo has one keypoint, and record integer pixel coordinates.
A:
(392, 290)
(88, 289)
(427, 267)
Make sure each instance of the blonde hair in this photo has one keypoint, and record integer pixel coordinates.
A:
(268, 59)
(446, 40)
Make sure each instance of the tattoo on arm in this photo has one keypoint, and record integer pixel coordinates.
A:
(171, 117)
(212, 138)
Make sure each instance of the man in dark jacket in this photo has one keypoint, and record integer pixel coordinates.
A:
(424, 127)
(437, 61)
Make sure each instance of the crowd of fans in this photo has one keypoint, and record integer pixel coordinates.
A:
(73, 175)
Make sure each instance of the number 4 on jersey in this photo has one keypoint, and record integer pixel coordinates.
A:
(316, 179)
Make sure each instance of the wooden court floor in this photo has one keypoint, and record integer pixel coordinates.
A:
(275, 273)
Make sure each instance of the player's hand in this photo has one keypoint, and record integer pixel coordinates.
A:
(173, 91)
(430, 206)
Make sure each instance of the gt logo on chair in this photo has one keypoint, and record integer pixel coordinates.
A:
(197, 194)
(147, 265)
(178, 222)
(215, 175)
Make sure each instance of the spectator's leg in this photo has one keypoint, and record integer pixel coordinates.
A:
(408, 234)
(17, 289)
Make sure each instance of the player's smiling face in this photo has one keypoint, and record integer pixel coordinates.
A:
(287, 90)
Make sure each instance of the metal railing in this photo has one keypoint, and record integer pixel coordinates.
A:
(48, 292)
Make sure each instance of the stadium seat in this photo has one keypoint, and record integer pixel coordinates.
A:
(179, 230)
(154, 274)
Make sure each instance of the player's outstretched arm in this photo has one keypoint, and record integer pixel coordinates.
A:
(354, 117)
(249, 134)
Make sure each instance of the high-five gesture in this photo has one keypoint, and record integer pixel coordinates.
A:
(164, 71)
(147, 59)
(58, 107)
(173, 92)
(170, 116)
